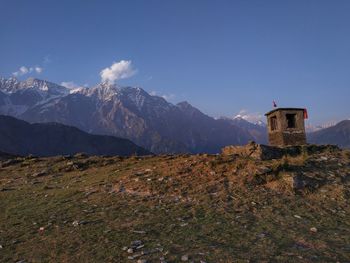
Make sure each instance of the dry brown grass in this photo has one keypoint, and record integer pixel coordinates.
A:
(212, 208)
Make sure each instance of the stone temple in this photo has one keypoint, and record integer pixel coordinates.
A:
(286, 126)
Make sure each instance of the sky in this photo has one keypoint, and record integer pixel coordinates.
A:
(224, 57)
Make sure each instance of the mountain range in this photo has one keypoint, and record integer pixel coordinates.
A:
(126, 112)
(132, 113)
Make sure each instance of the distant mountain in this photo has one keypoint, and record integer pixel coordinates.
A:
(257, 130)
(132, 113)
(338, 134)
(16, 97)
(48, 139)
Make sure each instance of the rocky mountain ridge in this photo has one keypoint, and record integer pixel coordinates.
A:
(132, 113)
(149, 121)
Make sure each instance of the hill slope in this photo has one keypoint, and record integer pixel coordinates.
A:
(338, 134)
(49, 139)
(211, 208)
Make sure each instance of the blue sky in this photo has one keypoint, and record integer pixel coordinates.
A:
(221, 56)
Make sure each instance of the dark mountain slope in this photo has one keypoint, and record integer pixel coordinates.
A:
(257, 130)
(338, 134)
(48, 139)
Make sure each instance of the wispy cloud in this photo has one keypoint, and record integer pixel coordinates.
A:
(47, 59)
(118, 70)
(167, 97)
(70, 85)
(38, 69)
(23, 70)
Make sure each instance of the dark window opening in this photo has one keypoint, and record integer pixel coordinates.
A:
(290, 120)
(273, 123)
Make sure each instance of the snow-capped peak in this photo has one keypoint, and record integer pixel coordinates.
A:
(103, 91)
(44, 88)
(260, 123)
(8, 85)
(238, 117)
(43, 85)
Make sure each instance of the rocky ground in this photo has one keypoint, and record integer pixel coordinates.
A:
(183, 208)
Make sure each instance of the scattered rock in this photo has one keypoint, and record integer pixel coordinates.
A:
(75, 223)
(265, 152)
(14, 242)
(81, 155)
(297, 216)
(39, 174)
(136, 243)
(262, 235)
(263, 170)
(4, 189)
(142, 261)
(130, 251)
(313, 229)
(87, 194)
(184, 258)
(10, 162)
(83, 222)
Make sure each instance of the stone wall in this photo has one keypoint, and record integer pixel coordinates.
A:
(283, 135)
(265, 152)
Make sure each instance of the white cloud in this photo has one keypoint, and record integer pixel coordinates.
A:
(164, 96)
(250, 116)
(23, 70)
(38, 70)
(70, 85)
(118, 70)
(168, 96)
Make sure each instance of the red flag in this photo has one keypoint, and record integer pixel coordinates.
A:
(306, 116)
(274, 104)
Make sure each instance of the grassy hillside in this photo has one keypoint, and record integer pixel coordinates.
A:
(201, 208)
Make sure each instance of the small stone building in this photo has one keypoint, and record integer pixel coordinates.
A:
(286, 126)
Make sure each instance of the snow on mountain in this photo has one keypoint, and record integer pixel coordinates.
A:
(44, 88)
(103, 91)
(128, 112)
(8, 85)
(19, 96)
